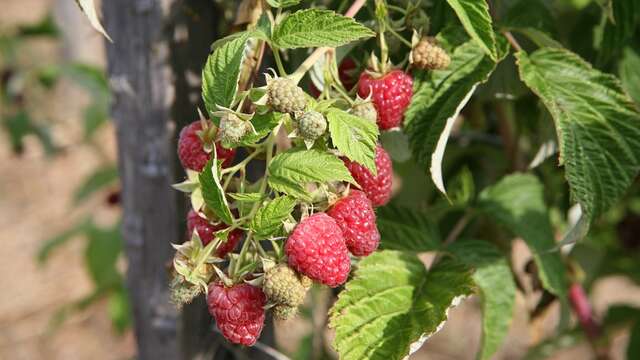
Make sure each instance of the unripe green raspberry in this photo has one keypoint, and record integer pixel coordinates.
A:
(232, 128)
(429, 56)
(183, 292)
(365, 110)
(312, 125)
(283, 286)
(284, 312)
(284, 96)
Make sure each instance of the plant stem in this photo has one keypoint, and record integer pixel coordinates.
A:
(399, 37)
(278, 59)
(512, 40)
(457, 229)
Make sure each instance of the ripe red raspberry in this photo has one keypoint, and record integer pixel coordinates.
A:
(191, 150)
(207, 230)
(238, 311)
(391, 96)
(355, 216)
(377, 188)
(316, 248)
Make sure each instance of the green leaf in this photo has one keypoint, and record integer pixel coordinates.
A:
(517, 203)
(101, 254)
(291, 170)
(88, 7)
(493, 276)
(533, 19)
(406, 229)
(315, 28)
(597, 124)
(355, 137)
(282, 3)
(221, 72)
(633, 349)
(269, 217)
(49, 245)
(246, 197)
(616, 35)
(213, 194)
(393, 302)
(95, 115)
(439, 98)
(100, 179)
(119, 309)
(474, 16)
(630, 73)
(263, 124)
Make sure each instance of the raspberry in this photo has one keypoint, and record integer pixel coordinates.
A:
(191, 149)
(312, 125)
(391, 96)
(284, 312)
(429, 56)
(284, 96)
(283, 286)
(355, 216)
(207, 231)
(377, 188)
(365, 110)
(316, 248)
(232, 128)
(238, 311)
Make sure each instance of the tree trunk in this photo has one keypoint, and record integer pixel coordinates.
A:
(154, 64)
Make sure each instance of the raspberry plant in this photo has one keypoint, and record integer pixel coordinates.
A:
(410, 69)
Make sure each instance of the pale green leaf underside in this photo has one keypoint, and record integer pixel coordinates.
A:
(315, 28)
(221, 72)
(355, 137)
(393, 301)
(474, 16)
(88, 7)
(291, 170)
(406, 230)
(517, 203)
(440, 96)
(598, 126)
(498, 291)
(269, 217)
(213, 194)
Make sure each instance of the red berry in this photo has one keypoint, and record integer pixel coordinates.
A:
(377, 188)
(355, 216)
(207, 230)
(391, 96)
(191, 150)
(316, 248)
(238, 311)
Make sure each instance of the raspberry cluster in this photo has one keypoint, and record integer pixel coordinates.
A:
(248, 264)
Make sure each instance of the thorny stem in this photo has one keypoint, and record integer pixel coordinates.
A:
(317, 53)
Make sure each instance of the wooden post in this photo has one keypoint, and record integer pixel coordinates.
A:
(154, 65)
